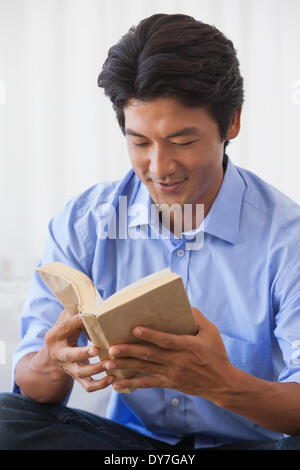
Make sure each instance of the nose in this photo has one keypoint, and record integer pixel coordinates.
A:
(162, 163)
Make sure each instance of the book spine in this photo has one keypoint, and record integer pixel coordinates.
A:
(95, 332)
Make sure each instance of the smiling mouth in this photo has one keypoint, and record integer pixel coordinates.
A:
(169, 186)
(170, 183)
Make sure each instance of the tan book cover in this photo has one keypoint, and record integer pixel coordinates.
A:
(157, 301)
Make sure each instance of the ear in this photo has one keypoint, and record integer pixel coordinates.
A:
(234, 126)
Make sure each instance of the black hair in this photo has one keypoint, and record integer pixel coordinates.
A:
(175, 56)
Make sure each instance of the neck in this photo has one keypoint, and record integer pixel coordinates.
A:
(188, 221)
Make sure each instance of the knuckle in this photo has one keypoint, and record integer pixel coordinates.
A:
(49, 336)
(63, 354)
(145, 355)
(147, 367)
(161, 382)
(168, 343)
(52, 353)
(76, 370)
(212, 329)
(189, 342)
(174, 375)
(89, 387)
(182, 363)
(173, 359)
(83, 354)
(64, 328)
(69, 372)
(142, 383)
(53, 356)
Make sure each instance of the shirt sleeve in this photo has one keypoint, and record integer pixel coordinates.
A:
(287, 319)
(66, 241)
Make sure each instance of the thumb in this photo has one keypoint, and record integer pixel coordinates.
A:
(68, 326)
(201, 320)
(64, 315)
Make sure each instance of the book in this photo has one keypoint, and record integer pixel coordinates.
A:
(157, 301)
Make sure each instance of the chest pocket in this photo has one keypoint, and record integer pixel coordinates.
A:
(254, 358)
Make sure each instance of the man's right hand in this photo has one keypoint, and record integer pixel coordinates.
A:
(61, 341)
(47, 376)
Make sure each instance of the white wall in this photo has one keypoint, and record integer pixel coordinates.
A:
(58, 133)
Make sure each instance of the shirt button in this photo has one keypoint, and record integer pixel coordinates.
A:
(180, 253)
(175, 402)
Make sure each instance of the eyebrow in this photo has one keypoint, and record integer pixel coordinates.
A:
(184, 131)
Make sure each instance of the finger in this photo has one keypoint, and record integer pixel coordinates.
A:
(145, 352)
(68, 326)
(135, 364)
(201, 320)
(91, 385)
(76, 353)
(163, 340)
(146, 381)
(63, 316)
(83, 370)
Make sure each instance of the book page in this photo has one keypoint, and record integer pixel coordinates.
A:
(142, 281)
(73, 288)
(99, 299)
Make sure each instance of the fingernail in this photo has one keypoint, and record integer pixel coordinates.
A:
(137, 331)
(114, 351)
(92, 352)
(110, 365)
(117, 385)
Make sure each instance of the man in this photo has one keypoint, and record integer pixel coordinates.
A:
(177, 91)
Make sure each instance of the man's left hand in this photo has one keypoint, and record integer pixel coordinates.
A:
(195, 365)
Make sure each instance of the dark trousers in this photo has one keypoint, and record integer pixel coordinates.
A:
(26, 424)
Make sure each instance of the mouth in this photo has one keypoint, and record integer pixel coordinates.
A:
(170, 187)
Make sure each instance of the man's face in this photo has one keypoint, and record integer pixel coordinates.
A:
(169, 143)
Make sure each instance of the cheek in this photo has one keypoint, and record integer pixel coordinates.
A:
(206, 158)
(138, 162)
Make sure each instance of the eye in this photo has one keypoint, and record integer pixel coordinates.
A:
(185, 144)
(140, 145)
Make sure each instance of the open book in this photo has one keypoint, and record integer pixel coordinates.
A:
(157, 301)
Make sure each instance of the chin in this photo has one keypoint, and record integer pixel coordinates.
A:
(158, 199)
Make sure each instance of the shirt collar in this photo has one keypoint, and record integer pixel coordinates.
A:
(142, 203)
(223, 219)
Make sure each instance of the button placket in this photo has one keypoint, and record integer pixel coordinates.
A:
(175, 412)
(180, 253)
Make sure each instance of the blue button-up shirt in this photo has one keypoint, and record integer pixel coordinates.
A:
(244, 279)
